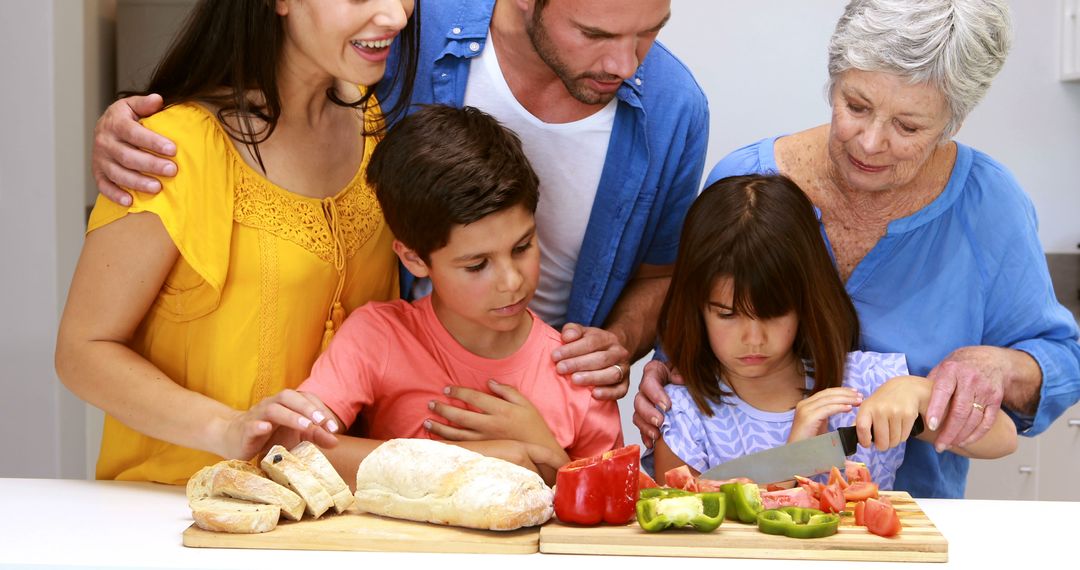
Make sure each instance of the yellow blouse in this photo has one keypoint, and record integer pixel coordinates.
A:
(243, 313)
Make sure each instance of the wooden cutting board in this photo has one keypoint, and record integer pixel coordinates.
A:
(353, 530)
(919, 541)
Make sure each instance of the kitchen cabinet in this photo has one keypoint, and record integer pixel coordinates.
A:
(1044, 468)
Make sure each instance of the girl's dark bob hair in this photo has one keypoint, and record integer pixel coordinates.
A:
(761, 232)
(228, 49)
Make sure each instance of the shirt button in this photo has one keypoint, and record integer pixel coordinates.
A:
(637, 81)
(456, 31)
(474, 46)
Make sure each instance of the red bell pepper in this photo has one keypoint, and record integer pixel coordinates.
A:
(599, 489)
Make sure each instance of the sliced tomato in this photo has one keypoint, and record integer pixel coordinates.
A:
(832, 499)
(644, 481)
(880, 518)
(836, 477)
(681, 478)
(860, 512)
(860, 491)
(798, 497)
(813, 486)
(856, 471)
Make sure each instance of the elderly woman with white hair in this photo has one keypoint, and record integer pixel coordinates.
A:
(936, 242)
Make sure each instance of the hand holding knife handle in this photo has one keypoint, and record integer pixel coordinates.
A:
(849, 438)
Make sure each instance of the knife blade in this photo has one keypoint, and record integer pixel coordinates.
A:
(808, 457)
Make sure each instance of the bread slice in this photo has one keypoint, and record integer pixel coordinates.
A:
(286, 469)
(312, 457)
(230, 515)
(426, 480)
(198, 486)
(256, 488)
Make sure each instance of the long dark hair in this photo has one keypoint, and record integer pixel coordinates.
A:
(761, 232)
(229, 47)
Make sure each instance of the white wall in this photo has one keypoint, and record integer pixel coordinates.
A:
(43, 188)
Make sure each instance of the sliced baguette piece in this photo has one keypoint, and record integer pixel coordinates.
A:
(256, 488)
(287, 470)
(198, 486)
(312, 457)
(230, 515)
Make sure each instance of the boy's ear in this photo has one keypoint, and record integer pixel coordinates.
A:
(410, 259)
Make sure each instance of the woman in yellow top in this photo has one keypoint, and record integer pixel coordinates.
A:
(192, 309)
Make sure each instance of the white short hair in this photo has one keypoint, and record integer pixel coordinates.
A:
(957, 46)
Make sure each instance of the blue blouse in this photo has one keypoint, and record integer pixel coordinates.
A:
(967, 269)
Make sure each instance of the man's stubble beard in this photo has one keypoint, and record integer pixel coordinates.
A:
(574, 85)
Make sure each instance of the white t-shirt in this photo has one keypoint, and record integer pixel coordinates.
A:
(567, 157)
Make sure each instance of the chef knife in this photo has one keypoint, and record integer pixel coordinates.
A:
(808, 457)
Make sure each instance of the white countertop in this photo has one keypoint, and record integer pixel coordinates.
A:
(109, 524)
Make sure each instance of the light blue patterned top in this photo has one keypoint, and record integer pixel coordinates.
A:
(737, 428)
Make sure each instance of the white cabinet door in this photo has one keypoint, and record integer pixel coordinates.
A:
(1013, 478)
(1059, 452)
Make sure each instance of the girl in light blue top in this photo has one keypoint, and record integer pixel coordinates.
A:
(758, 324)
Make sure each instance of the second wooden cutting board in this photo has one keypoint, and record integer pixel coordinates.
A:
(919, 541)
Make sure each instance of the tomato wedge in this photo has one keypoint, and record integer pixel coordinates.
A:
(681, 478)
(836, 477)
(860, 491)
(856, 471)
(812, 486)
(832, 499)
(644, 481)
(879, 517)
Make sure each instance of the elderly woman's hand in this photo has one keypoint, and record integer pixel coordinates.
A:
(651, 401)
(971, 382)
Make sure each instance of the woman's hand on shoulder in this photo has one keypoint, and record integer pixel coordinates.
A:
(286, 418)
(812, 413)
(886, 417)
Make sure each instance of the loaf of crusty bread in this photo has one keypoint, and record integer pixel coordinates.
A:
(312, 457)
(245, 485)
(287, 470)
(198, 486)
(424, 480)
(230, 515)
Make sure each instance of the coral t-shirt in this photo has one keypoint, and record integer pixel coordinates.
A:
(390, 359)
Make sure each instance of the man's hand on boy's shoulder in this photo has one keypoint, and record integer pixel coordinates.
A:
(124, 151)
(593, 356)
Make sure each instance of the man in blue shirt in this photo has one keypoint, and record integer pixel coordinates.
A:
(616, 128)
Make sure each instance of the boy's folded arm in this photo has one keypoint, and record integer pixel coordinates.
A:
(1000, 441)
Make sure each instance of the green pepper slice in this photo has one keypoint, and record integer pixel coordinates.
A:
(746, 501)
(730, 513)
(798, 522)
(703, 511)
(662, 492)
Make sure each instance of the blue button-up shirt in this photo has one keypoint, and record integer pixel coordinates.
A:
(967, 269)
(654, 161)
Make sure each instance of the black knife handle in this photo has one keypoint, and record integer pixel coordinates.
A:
(849, 438)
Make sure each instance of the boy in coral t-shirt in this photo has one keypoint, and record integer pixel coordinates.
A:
(459, 196)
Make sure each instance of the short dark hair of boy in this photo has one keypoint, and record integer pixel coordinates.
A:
(443, 166)
(761, 232)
